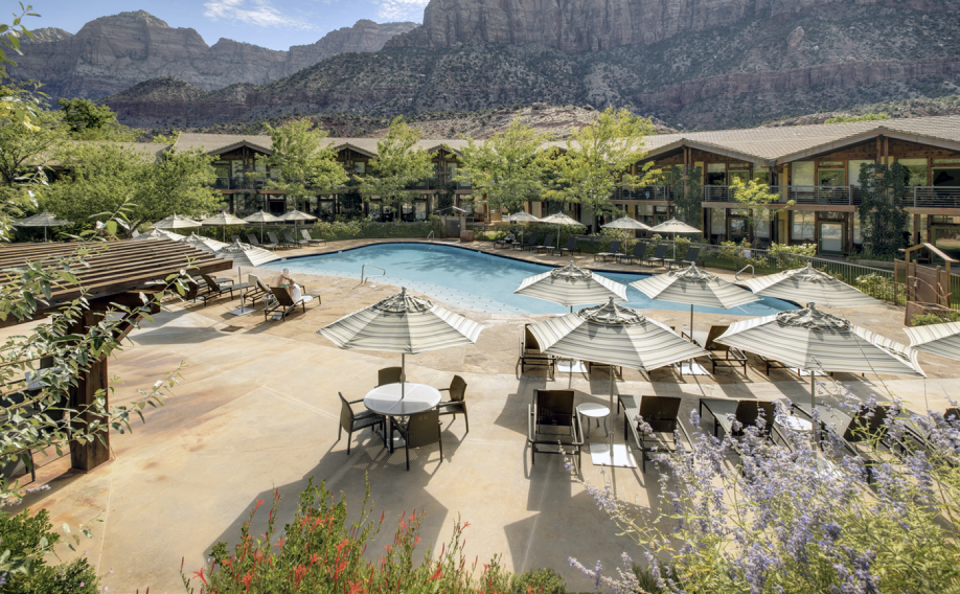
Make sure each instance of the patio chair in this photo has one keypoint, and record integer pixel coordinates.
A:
(351, 421)
(732, 357)
(252, 240)
(234, 238)
(531, 242)
(257, 289)
(532, 356)
(290, 239)
(638, 251)
(547, 244)
(283, 301)
(654, 423)
(503, 242)
(571, 247)
(457, 403)
(389, 375)
(659, 254)
(217, 287)
(277, 242)
(309, 238)
(860, 434)
(422, 429)
(746, 413)
(553, 426)
(613, 250)
(691, 255)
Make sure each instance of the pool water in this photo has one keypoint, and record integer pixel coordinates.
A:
(475, 280)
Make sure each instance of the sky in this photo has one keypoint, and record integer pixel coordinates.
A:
(275, 24)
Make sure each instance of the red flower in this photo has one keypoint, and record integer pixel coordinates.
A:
(436, 575)
(257, 506)
(246, 580)
(199, 574)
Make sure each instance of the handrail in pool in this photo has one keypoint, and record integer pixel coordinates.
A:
(363, 270)
(430, 237)
(753, 273)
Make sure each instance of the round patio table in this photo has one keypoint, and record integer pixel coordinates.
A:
(385, 400)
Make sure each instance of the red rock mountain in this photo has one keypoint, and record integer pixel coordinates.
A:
(113, 53)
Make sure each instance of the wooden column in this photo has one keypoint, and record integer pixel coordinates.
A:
(89, 455)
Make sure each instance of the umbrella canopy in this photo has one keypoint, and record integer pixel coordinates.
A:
(222, 219)
(244, 254)
(939, 339)
(175, 221)
(43, 219)
(262, 217)
(696, 287)
(806, 285)
(816, 341)
(161, 234)
(521, 217)
(674, 226)
(402, 324)
(571, 286)
(560, 219)
(297, 217)
(205, 243)
(626, 223)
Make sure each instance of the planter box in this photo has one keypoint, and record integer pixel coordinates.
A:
(466, 236)
(915, 308)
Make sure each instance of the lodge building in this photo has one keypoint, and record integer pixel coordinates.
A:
(816, 167)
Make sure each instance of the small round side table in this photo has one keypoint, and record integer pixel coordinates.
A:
(594, 411)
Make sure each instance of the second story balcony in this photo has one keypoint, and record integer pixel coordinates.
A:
(643, 193)
(827, 195)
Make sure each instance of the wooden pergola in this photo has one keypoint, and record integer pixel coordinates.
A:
(115, 273)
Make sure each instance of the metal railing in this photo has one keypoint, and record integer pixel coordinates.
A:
(430, 237)
(933, 196)
(832, 195)
(753, 272)
(363, 273)
(642, 193)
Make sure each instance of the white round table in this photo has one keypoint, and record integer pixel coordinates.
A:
(594, 411)
(386, 401)
(795, 423)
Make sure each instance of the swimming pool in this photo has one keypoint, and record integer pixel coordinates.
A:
(475, 280)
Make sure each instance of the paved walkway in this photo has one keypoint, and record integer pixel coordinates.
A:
(258, 411)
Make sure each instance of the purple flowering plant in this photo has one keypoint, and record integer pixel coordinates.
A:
(791, 512)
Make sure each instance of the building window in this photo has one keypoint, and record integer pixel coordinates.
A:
(761, 175)
(830, 177)
(917, 169)
(716, 174)
(853, 168)
(762, 230)
(803, 225)
(857, 229)
(718, 221)
(802, 173)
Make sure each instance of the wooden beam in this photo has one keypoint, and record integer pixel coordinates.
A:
(88, 455)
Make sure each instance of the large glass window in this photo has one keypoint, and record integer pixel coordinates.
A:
(853, 169)
(761, 175)
(917, 169)
(944, 176)
(801, 173)
(857, 229)
(718, 221)
(803, 225)
(762, 224)
(716, 174)
(830, 177)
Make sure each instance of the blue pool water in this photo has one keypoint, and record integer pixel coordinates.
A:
(474, 280)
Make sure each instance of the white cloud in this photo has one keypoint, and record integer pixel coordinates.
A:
(253, 12)
(401, 10)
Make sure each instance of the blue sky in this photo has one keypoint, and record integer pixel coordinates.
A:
(276, 24)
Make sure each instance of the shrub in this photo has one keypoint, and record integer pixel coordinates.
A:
(541, 581)
(935, 318)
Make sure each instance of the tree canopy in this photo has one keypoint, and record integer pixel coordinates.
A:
(86, 120)
(398, 165)
(304, 163)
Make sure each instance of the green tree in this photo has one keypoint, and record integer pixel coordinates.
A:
(102, 177)
(26, 150)
(599, 158)
(867, 117)
(754, 196)
(688, 200)
(14, 107)
(88, 121)
(398, 165)
(882, 216)
(304, 162)
(507, 168)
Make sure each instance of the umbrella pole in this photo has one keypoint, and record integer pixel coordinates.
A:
(403, 375)
(261, 231)
(691, 321)
(613, 434)
(813, 391)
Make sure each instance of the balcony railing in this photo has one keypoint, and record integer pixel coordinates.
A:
(644, 193)
(933, 196)
(831, 195)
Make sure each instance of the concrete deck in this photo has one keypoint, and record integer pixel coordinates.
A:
(258, 411)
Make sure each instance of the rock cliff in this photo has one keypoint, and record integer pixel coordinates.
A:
(113, 53)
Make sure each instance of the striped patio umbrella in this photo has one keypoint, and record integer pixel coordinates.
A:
(297, 217)
(161, 234)
(696, 287)
(559, 219)
(571, 286)
(43, 219)
(806, 285)
(206, 244)
(612, 334)
(262, 217)
(222, 219)
(626, 224)
(402, 324)
(674, 226)
(175, 221)
(939, 339)
(812, 340)
(521, 217)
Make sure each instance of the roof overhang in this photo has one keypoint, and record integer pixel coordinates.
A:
(865, 136)
(346, 145)
(241, 144)
(709, 148)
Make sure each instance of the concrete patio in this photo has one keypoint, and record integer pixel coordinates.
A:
(258, 411)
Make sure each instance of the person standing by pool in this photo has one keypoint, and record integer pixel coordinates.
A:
(285, 281)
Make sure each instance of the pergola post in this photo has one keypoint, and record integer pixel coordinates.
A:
(88, 455)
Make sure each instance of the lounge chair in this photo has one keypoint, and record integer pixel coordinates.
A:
(553, 426)
(691, 256)
(234, 238)
(422, 429)
(350, 421)
(746, 412)
(532, 356)
(257, 289)
(613, 250)
(571, 247)
(532, 242)
(308, 238)
(860, 434)
(252, 240)
(290, 239)
(388, 375)
(659, 254)
(503, 242)
(638, 251)
(217, 287)
(457, 403)
(654, 423)
(732, 357)
(547, 244)
(283, 301)
(277, 242)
